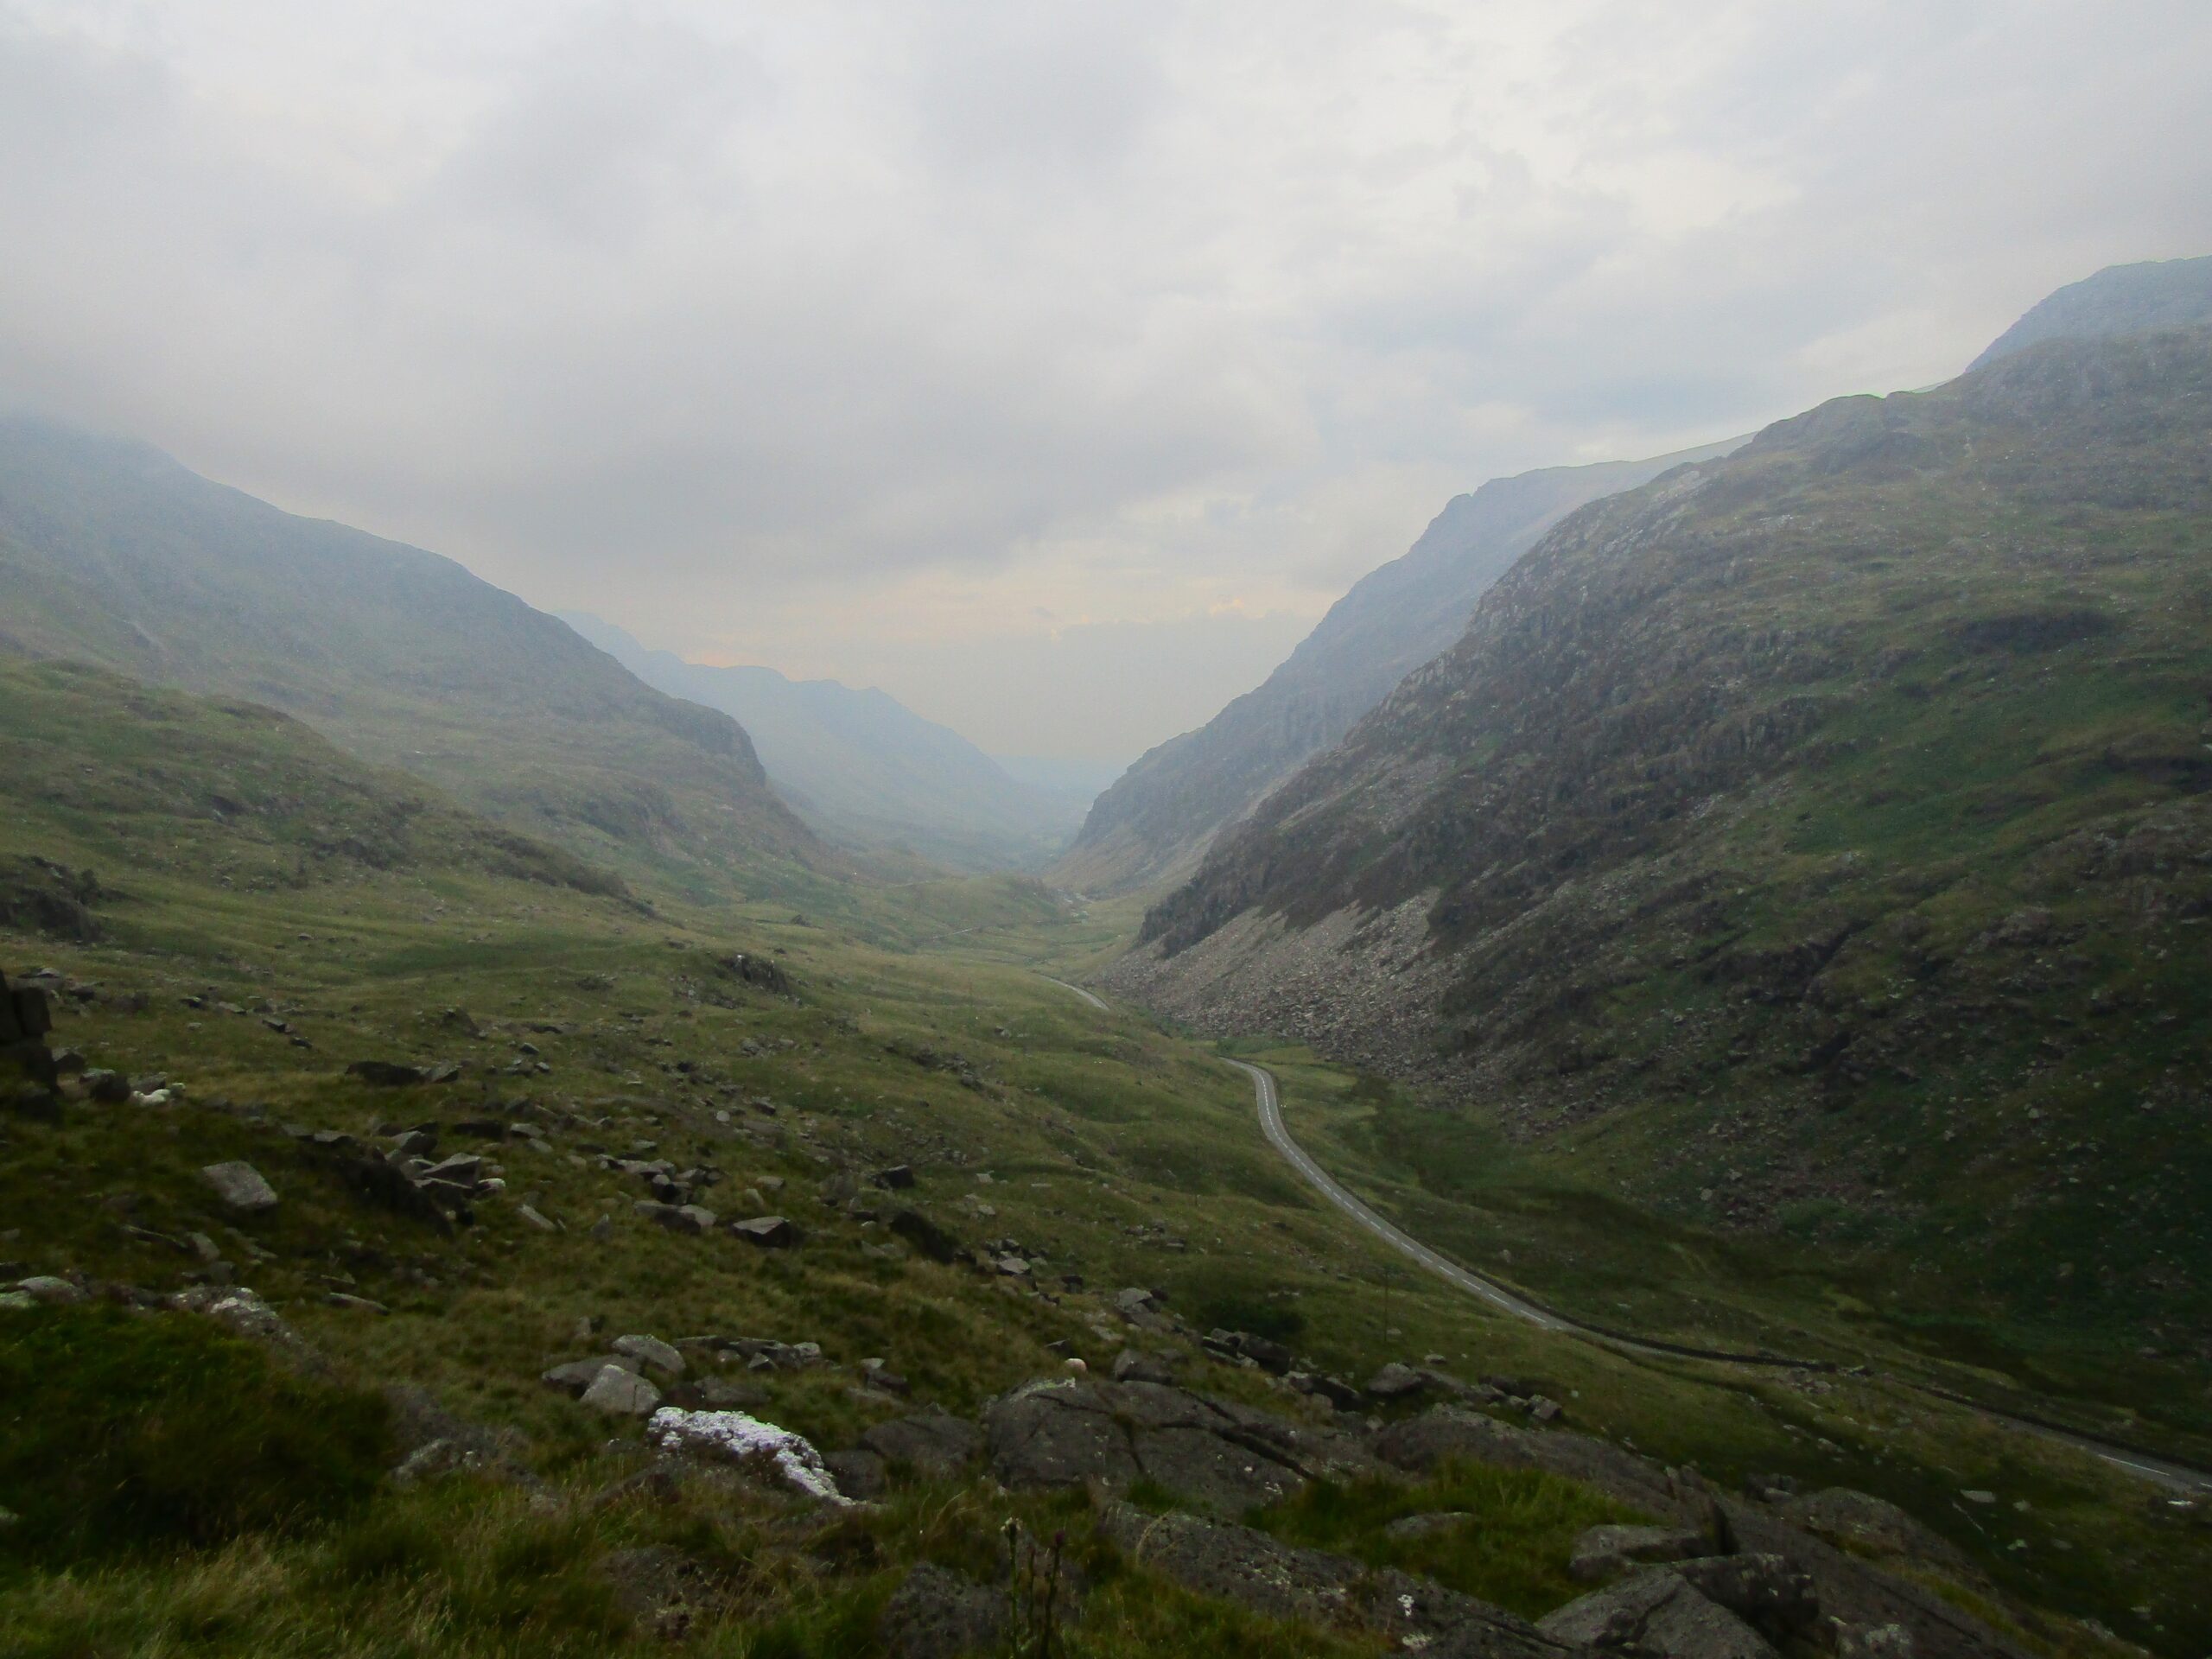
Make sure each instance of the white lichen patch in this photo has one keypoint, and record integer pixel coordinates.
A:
(745, 1439)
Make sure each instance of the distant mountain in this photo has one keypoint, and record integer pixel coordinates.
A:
(111, 553)
(1819, 839)
(1154, 822)
(2117, 300)
(862, 767)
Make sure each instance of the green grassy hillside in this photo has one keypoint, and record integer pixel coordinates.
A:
(114, 553)
(242, 958)
(1816, 844)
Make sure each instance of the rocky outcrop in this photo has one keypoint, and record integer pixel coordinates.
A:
(1221, 1457)
(1282, 1581)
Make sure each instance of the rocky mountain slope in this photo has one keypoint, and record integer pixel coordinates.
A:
(111, 553)
(860, 766)
(1158, 818)
(2117, 300)
(1819, 837)
(410, 1247)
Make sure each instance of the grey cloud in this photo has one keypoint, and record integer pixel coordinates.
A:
(690, 313)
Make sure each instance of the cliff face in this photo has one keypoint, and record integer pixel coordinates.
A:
(1157, 819)
(1856, 782)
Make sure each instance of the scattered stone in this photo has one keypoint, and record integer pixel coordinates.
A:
(620, 1393)
(577, 1375)
(240, 1187)
(108, 1088)
(530, 1214)
(897, 1178)
(50, 1291)
(1396, 1381)
(651, 1351)
(769, 1232)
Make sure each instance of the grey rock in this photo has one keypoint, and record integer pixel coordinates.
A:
(1870, 1526)
(1396, 1381)
(897, 1178)
(769, 1232)
(937, 1614)
(936, 1444)
(577, 1375)
(1873, 1642)
(530, 1214)
(858, 1472)
(1656, 1614)
(109, 1088)
(464, 1169)
(620, 1393)
(50, 1291)
(240, 1187)
(1763, 1589)
(1603, 1551)
(1132, 1365)
(651, 1351)
(720, 1394)
(1220, 1457)
(1281, 1582)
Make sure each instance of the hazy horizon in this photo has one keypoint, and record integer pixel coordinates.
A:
(1052, 369)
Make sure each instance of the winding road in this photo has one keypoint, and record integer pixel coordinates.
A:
(2175, 1477)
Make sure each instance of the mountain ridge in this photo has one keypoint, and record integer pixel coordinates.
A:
(1806, 833)
(1154, 822)
(858, 765)
(114, 554)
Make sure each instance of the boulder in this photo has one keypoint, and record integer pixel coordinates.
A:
(1396, 1381)
(620, 1393)
(1603, 1551)
(936, 1444)
(769, 1232)
(50, 1291)
(1657, 1615)
(240, 1187)
(897, 1178)
(652, 1351)
(109, 1088)
(1870, 1526)
(1221, 1457)
(937, 1614)
(1132, 1365)
(1443, 1434)
(1281, 1581)
(577, 1375)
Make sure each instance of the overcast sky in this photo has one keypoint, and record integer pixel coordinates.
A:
(1054, 366)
